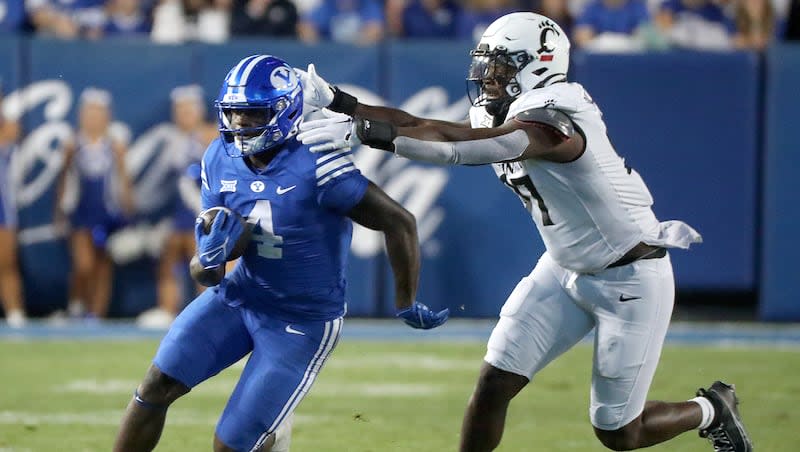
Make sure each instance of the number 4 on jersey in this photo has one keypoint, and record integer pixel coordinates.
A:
(269, 244)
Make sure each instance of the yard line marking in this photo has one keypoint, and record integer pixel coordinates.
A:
(423, 360)
(112, 417)
(95, 386)
(400, 360)
(224, 386)
(101, 418)
(104, 387)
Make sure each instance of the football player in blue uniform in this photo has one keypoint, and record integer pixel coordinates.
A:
(283, 303)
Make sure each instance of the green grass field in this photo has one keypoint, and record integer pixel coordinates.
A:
(379, 396)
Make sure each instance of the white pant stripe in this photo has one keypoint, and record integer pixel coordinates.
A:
(329, 338)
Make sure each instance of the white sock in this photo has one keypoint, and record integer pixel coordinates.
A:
(16, 318)
(707, 409)
(76, 308)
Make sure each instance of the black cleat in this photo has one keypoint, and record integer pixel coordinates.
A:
(726, 432)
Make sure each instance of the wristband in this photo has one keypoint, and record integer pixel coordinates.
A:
(376, 134)
(343, 102)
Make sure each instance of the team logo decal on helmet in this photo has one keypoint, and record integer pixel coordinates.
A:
(546, 45)
(283, 78)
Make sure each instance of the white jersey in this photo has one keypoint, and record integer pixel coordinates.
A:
(590, 211)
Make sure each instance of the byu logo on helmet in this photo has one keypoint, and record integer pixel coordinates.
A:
(259, 106)
(283, 78)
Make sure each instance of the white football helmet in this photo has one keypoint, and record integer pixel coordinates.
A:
(517, 53)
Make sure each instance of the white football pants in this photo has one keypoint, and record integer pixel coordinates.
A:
(553, 308)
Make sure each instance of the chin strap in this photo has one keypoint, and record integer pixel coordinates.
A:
(498, 108)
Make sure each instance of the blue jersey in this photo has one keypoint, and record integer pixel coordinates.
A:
(624, 18)
(294, 266)
(706, 10)
(12, 15)
(343, 20)
(126, 25)
(420, 22)
(86, 13)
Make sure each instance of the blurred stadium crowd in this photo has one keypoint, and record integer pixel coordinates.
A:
(95, 153)
(602, 25)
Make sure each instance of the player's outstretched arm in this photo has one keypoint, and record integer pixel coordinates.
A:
(538, 133)
(379, 212)
(318, 93)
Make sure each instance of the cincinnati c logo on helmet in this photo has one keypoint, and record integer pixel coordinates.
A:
(545, 46)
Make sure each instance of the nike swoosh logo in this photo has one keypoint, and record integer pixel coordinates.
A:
(281, 190)
(623, 298)
(291, 330)
(212, 255)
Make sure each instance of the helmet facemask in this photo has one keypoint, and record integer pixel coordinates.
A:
(251, 129)
(493, 74)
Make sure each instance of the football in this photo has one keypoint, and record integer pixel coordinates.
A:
(210, 215)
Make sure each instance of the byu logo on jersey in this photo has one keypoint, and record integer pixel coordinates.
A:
(257, 186)
(228, 186)
(282, 77)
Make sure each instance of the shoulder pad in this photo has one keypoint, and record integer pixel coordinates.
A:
(567, 97)
(550, 116)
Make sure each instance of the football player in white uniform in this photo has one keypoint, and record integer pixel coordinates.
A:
(606, 264)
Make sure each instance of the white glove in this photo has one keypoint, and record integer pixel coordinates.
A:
(316, 91)
(336, 131)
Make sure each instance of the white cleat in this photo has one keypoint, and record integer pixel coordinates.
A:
(283, 435)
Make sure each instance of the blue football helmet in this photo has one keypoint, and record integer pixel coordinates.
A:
(259, 106)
